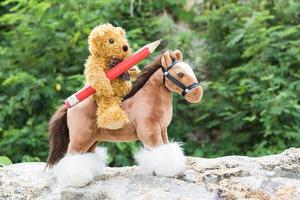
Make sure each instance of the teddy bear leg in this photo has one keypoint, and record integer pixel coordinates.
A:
(111, 117)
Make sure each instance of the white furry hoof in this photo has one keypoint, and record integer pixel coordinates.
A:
(165, 160)
(79, 169)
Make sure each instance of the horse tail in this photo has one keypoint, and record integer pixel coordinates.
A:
(58, 136)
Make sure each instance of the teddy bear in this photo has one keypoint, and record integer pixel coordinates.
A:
(108, 46)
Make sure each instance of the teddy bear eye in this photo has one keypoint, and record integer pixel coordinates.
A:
(180, 74)
(111, 41)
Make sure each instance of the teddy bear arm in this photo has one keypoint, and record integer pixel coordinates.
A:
(98, 80)
(121, 87)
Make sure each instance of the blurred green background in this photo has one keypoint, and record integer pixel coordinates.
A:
(246, 55)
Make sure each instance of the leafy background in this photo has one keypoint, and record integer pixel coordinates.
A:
(245, 53)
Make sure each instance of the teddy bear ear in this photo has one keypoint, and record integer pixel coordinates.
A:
(94, 38)
(96, 33)
(166, 60)
(121, 30)
(177, 55)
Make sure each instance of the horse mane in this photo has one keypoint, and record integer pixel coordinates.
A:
(145, 75)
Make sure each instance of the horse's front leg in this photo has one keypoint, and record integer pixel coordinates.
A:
(164, 134)
(158, 157)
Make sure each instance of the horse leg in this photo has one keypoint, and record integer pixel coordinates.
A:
(159, 157)
(83, 161)
(80, 142)
(164, 134)
(150, 136)
(93, 147)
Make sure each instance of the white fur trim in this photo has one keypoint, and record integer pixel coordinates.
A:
(165, 160)
(79, 169)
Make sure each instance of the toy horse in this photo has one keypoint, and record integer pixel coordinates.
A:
(149, 108)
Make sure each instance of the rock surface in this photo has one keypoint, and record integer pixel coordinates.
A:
(233, 177)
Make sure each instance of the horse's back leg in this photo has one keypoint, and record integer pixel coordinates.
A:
(158, 157)
(82, 138)
(83, 161)
(82, 126)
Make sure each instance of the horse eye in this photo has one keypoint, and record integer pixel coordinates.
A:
(111, 41)
(180, 74)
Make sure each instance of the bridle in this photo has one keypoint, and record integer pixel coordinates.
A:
(167, 75)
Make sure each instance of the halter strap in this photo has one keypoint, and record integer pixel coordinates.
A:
(166, 74)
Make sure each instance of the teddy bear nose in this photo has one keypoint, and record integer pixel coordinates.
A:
(125, 47)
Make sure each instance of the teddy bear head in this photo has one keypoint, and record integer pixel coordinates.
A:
(108, 42)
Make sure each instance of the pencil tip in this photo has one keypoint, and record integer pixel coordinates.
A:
(152, 46)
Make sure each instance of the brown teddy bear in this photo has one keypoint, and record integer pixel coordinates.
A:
(108, 46)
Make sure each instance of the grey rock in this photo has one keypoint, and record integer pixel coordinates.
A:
(233, 177)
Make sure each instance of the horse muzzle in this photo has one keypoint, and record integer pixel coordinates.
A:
(194, 95)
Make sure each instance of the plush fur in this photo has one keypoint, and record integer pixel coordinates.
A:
(149, 109)
(165, 160)
(79, 169)
(108, 44)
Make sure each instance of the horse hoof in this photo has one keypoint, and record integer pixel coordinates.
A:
(77, 170)
(165, 160)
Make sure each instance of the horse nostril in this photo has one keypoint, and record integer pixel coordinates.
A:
(125, 47)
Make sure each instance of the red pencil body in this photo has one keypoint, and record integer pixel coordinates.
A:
(127, 63)
(110, 74)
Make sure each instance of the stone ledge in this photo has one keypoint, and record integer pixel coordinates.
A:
(231, 177)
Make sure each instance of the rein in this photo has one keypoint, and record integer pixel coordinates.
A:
(167, 75)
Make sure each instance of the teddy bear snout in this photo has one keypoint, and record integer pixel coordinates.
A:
(125, 47)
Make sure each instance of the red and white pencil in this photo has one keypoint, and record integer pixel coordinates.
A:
(113, 73)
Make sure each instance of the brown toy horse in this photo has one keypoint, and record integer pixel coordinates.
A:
(149, 109)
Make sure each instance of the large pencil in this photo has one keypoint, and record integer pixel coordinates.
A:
(113, 73)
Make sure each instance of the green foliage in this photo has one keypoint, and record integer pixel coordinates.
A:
(252, 53)
(4, 161)
(246, 53)
(43, 50)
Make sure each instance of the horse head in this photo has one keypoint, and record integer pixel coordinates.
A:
(179, 77)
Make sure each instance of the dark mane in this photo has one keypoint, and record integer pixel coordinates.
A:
(144, 75)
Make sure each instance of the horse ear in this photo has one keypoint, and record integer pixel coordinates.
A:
(166, 59)
(177, 55)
